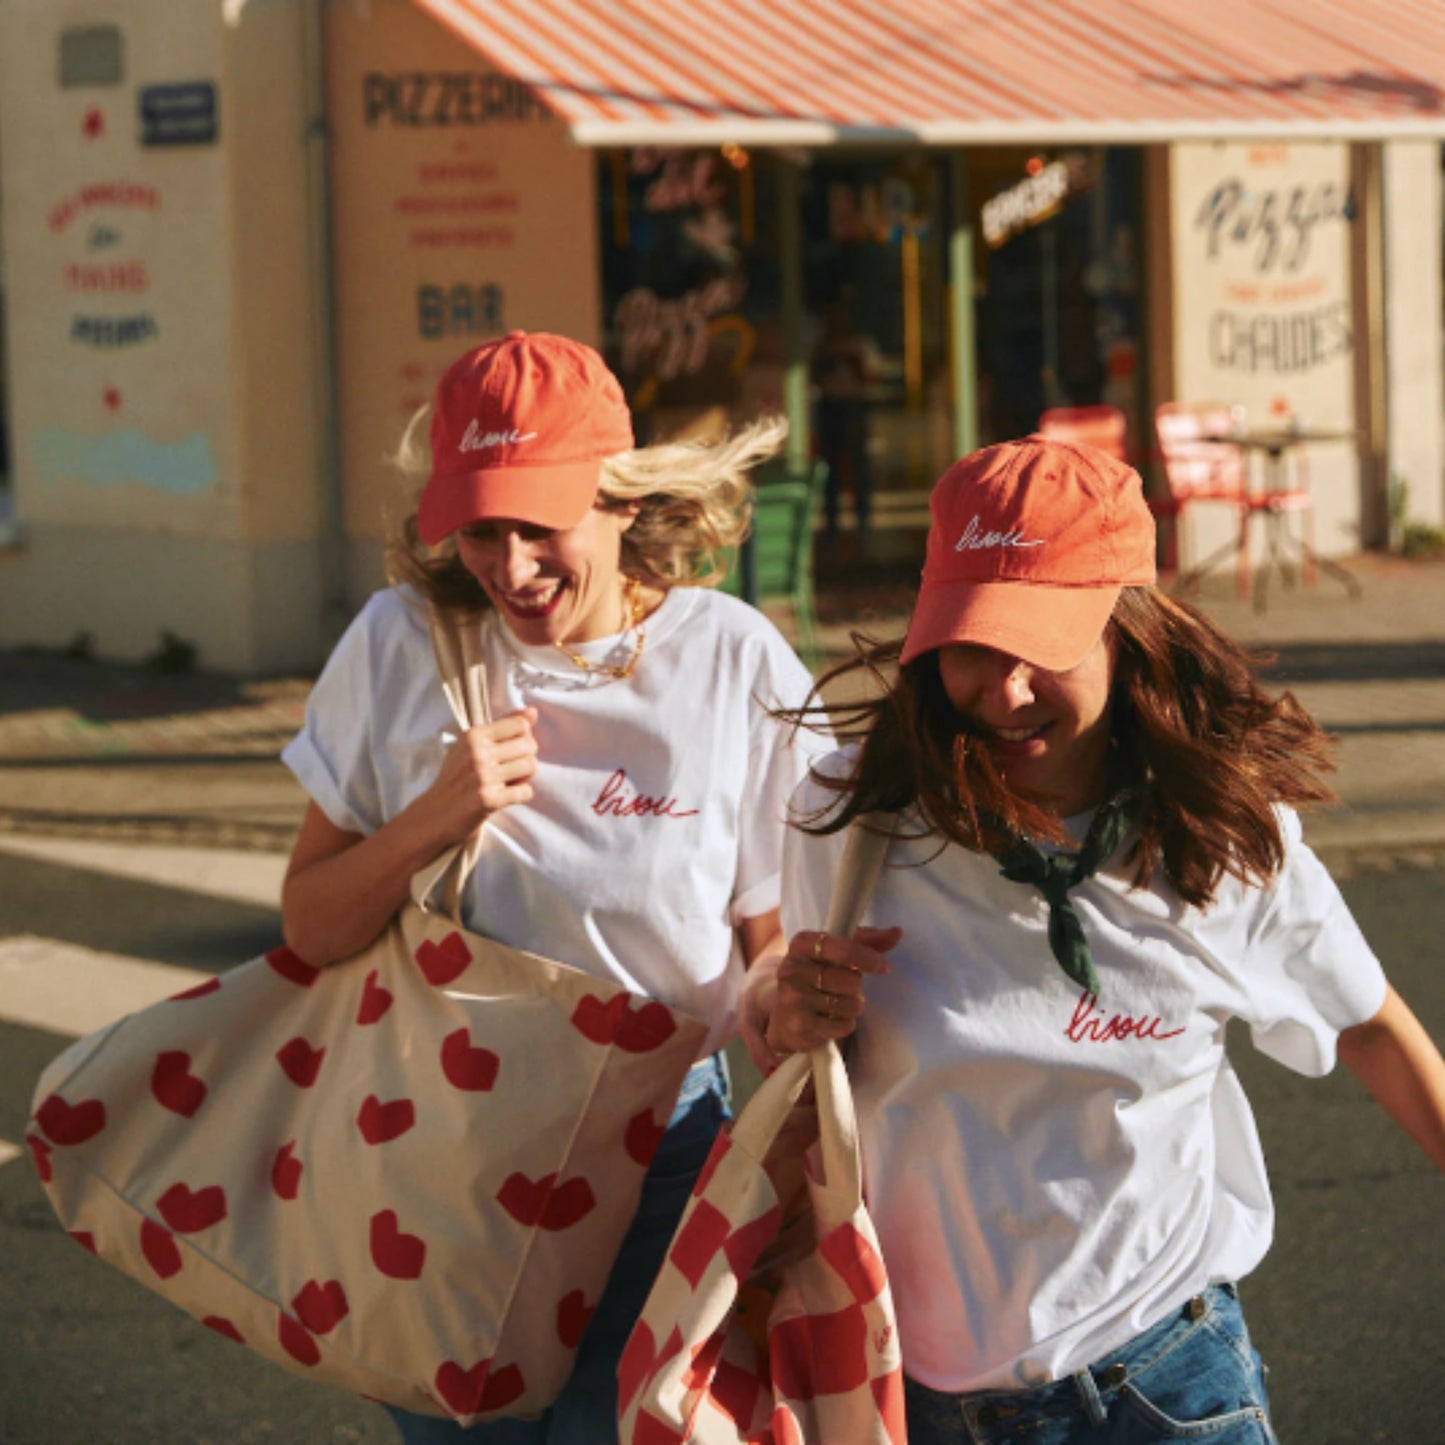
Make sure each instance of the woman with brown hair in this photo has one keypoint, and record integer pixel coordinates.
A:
(1096, 864)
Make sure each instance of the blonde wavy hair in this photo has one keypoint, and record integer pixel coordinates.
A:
(693, 503)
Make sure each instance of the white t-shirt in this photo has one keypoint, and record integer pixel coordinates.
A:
(1050, 1177)
(657, 820)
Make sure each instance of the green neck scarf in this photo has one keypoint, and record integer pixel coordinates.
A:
(1055, 874)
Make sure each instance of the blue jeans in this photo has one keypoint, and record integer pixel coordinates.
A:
(585, 1413)
(1192, 1376)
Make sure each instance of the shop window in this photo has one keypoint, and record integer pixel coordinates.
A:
(877, 307)
(1057, 285)
(690, 286)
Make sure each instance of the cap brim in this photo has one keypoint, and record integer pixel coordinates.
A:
(1050, 627)
(558, 495)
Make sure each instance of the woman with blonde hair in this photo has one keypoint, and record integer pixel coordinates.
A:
(634, 780)
(1096, 864)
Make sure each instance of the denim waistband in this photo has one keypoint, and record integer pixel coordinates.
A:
(707, 1076)
(1086, 1388)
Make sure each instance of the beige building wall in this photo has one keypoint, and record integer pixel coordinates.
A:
(1414, 383)
(1261, 300)
(161, 330)
(460, 211)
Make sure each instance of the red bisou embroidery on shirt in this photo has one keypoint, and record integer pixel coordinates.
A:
(617, 801)
(1087, 1026)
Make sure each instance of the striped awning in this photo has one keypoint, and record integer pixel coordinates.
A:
(948, 72)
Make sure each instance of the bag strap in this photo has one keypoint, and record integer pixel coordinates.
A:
(759, 1123)
(858, 872)
(463, 671)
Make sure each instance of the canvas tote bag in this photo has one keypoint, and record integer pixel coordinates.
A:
(771, 1321)
(407, 1174)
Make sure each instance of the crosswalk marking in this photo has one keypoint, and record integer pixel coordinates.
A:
(67, 989)
(236, 874)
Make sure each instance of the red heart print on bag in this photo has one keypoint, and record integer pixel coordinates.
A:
(174, 1085)
(574, 1314)
(223, 1326)
(615, 1021)
(321, 1307)
(567, 1204)
(286, 1171)
(66, 1124)
(445, 962)
(465, 1067)
(297, 1341)
(300, 1061)
(639, 1031)
(84, 1238)
(396, 1254)
(200, 991)
(381, 1123)
(161, 1251)
(643, 1136)
(41, 1152)
(188, 1210)
(465, 1392)
(292, 967)
(375, 1000)
(545, 1203)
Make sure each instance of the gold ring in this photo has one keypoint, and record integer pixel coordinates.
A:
(818, 983)
(818, 943)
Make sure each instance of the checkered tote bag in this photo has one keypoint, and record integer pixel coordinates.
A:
(771, 1321)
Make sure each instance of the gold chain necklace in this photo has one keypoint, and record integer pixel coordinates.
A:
(617, 672)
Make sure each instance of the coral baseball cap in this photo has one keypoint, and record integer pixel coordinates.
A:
(1030, 545)
(519, 430)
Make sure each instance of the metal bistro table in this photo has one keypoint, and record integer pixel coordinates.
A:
(1276, 498)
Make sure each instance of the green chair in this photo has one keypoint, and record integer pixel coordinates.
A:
(784, 509)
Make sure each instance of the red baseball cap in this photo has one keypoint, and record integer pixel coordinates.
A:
(519, 430)
(1031, 543)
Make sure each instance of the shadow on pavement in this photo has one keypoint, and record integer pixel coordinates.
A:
(1356, 661)
(33, 680)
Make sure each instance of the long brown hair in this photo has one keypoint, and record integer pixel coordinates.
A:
(1209, 751)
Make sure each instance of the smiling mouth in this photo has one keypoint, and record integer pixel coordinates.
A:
(1016, 735)
(538, 603)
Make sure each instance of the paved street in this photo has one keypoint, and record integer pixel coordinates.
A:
(143, 823)
(1344, 1310)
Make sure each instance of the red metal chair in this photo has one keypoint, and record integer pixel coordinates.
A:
(1201, 464)
(1104, 427)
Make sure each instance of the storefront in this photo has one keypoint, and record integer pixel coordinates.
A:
(909, 250)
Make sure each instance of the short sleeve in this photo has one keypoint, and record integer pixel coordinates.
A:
(333, 756)
(1309, 973)
(778, 759)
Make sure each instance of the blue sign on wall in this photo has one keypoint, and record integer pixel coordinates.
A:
(177, 115)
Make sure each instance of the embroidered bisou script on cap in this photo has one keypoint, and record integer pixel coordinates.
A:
(1029, 545)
